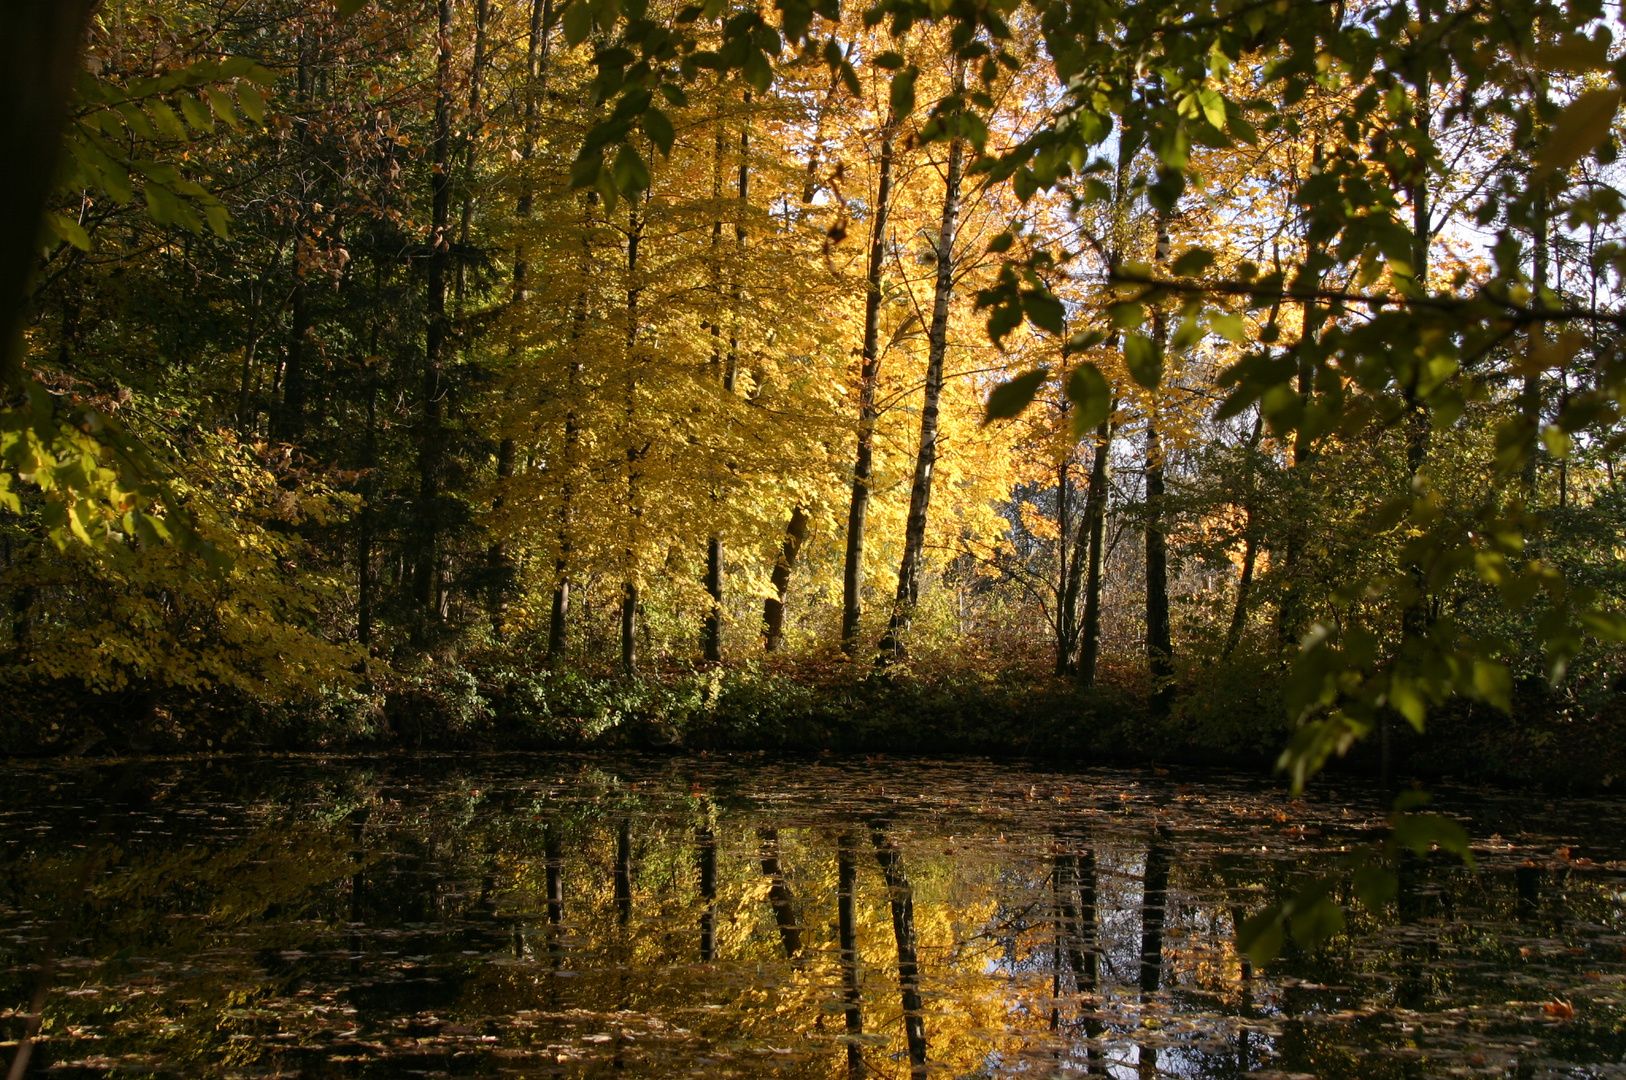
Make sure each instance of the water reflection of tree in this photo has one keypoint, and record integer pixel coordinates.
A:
(423, 913)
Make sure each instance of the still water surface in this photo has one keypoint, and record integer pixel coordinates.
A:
(572, 916)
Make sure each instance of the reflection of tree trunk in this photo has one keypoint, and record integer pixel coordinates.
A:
(706, 841)
(847, 931)
(773, 609)
(554, 861)
(358, 888)
(1154, 900)
(623, 872)
(903, 929)
(1073, 875)
(1153, 911)
(780, 898)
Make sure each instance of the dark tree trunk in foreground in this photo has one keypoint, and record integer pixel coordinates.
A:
(852, 574)
(41, 46)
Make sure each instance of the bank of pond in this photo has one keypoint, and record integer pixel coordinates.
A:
(661, 916)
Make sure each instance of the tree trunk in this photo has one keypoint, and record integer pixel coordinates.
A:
(1250, 550)
(711, 633)
(291, 415)
(1415, 619)
(560, 613)
(431, 448)
(852, 576)
(1159, 646)
(1095, 526)
(1159, 643)
(497, 556)
(41, 46)
(773, 608)
(920, 491)
(630, 592)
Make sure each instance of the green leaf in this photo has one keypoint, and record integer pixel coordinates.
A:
(891, 61)
(1261, 937)
(1317, 921)
(578, 22)
(1091, 396)
(165, 120)
(221, 103)
(903, 92)
(1375, 886)
(1144, 360)
(68, 230)
(1001, 243)
(1010, 398)
(1084, 341)
(1580, 128)
(1045, 310)
(1193, 262)
(1004, 318)
(1228, 325)
(631, 174)
(584, 171)
(758, 70)
(348, 8)
(1494, 684)
(1420, 832)
(196, 113)
(250, 100)
(1575, 55)
(659, 129)
(1605, 625)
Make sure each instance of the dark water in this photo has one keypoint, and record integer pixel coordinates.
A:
(548, 916)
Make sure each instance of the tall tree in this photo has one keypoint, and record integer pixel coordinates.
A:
(920, 490)
(852, 574)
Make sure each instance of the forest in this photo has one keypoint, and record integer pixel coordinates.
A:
(1164, 380)
(632, 538)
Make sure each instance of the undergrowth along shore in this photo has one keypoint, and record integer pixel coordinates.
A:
(488, 700)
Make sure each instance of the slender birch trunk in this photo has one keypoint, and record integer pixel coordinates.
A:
(920, 491)
(852, 576)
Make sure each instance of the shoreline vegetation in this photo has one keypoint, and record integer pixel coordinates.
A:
(485, 704)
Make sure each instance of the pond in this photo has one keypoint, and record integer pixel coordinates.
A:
(580, 916)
